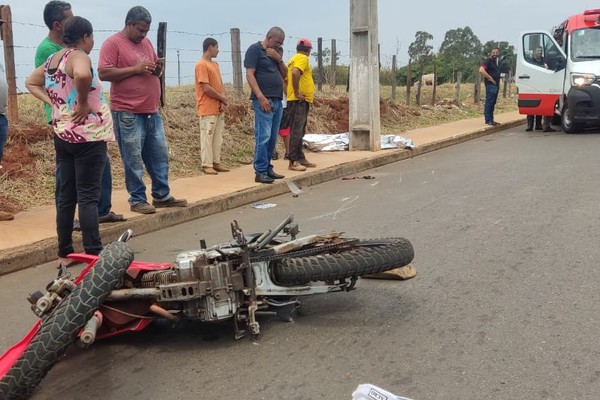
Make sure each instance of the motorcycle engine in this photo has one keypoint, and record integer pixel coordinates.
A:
(211, 289)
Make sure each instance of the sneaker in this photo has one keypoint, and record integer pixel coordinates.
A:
(296, 166)
(220, 168)
(274, 175)
(209, 171)
(263, 178)
(307, 163)
(6, 216)
(494, 123)
(143, 208)
(170, 202)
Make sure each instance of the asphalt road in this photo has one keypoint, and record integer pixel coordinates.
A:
(506, 303)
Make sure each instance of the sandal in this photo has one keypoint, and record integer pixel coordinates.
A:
(112, 217)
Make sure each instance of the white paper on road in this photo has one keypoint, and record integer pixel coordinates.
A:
(371, 392)
(341, 142)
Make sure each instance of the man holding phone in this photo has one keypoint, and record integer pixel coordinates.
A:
(128, 61)
(265, 71)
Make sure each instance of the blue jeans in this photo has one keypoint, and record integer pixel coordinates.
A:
(491, 95)
(104, 205)
(81, 169)
(3, 134)
(142, 142)
(266, 130)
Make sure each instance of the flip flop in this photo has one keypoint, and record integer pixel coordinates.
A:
(112, 217)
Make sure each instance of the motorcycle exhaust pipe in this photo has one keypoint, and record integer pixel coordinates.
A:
(89, 331)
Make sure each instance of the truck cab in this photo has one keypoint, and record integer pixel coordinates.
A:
(567, 83)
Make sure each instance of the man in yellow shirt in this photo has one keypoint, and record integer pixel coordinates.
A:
(210, 106)
(300, 95)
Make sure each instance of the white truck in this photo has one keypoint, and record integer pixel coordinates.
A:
(567, 84)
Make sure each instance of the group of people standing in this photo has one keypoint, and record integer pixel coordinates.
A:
(83, 122)
(280, 91)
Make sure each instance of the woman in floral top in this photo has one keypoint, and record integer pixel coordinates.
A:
(82, 125)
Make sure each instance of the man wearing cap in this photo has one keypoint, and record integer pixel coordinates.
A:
(300, 94)
(265, 70)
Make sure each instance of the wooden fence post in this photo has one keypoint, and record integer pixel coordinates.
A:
(457, 88)
(236, 60)
(477, 88)
(320, 64)
(434, 83)
(408, 81)
(333, 63)
(9, 59)
(419, 85)
(161, 51)
(394, 72)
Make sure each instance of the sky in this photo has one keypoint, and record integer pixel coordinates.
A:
(190, 22)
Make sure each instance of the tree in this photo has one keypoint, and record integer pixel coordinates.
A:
(508, 56)
(419, 50)
(460, 51)
(326, 54)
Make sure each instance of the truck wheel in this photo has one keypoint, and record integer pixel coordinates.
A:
(567, 125)
(60, 328)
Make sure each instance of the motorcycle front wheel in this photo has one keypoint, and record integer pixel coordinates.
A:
(60, 328)
(363, 258)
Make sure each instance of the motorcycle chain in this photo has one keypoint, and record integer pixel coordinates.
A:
(306, 252)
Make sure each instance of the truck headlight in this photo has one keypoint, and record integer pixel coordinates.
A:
(582, 79)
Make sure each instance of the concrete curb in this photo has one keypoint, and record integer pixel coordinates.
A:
(45, 250)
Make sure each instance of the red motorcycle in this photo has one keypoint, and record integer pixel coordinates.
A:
(234, 281)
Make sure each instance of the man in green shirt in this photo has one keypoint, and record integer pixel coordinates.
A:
(56, 13)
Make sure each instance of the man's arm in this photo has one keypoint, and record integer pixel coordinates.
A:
(211, 92)
(114, 74)
(485, 74)
(296, 74)
(262, 100)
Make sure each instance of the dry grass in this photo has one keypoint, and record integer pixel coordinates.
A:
(28, 177)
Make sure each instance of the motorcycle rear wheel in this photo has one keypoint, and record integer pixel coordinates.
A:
(60, 328)
(365, 257)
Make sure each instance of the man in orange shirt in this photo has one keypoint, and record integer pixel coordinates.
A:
(210, 106)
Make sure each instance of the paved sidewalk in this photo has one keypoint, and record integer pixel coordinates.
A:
(30, 239)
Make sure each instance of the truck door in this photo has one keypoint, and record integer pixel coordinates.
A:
(539, 80)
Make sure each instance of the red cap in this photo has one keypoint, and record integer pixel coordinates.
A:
(304, 42)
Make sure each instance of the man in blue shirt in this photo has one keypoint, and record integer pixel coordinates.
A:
(265, 71)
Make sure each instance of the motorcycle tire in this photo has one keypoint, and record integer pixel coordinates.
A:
(363, 258)
(59, 329)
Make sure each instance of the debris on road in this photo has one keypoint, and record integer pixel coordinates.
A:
(349, 178)
(261, 206)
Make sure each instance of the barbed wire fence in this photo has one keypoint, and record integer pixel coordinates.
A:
(182, 50)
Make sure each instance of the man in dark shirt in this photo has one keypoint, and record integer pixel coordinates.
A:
(265, 71)
(491, 75)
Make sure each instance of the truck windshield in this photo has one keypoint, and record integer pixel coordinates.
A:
(585, 44)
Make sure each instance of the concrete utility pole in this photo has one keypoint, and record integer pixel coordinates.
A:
(365, 124)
